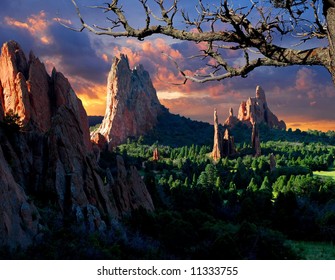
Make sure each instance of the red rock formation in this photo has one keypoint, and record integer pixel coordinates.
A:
(256, 110)
(64, 96)
(255, 141)
(231, 120)
(228, 146)
(132, 104)
(155, 155)
(130, 191)
(13, 68)
(217, 146)
(27, 90)
(38, 87)
(2, 113)
(223, 146)
(99, 140)
(53, 158)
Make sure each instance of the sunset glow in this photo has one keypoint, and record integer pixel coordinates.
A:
(302, 96)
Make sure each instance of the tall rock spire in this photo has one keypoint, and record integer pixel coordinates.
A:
(223, 143)
(132, 104)
(217, 147)
(255, 142)
(228, 144)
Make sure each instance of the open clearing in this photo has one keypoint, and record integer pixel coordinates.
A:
(329, 173)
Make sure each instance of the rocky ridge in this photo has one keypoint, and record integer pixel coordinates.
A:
(50, 158)
(255, 110)
(132, 104)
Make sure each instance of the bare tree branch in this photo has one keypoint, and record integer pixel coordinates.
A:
(223, 27)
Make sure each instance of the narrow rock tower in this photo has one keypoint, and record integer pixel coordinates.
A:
(223, 143)
(255, 142)
(217, 147)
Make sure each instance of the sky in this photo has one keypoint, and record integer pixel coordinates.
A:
(302, 96)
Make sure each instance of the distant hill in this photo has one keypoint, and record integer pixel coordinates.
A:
(177, 131)
(94, 120)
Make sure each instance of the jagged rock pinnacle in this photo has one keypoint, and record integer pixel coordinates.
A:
(255, 110)
(132, 104)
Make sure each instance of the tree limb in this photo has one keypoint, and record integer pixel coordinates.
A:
(223, 27)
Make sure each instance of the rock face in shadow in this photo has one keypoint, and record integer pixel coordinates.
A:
(255, 141)
(132, 104)
(228, 145)
(50, 158)
(130, 191)
(224, 144)
(256, 110)
(19, 217)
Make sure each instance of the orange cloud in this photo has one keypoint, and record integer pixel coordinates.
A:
(36, 25)
(104, 57)
(133, 56)
(159, 56)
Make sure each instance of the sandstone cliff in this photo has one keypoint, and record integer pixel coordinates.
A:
(255, 110)
(132, 104)
(51, 158)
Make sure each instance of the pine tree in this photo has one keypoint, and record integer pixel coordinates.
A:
(252, 185)
(266, 185)
(218, 183)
